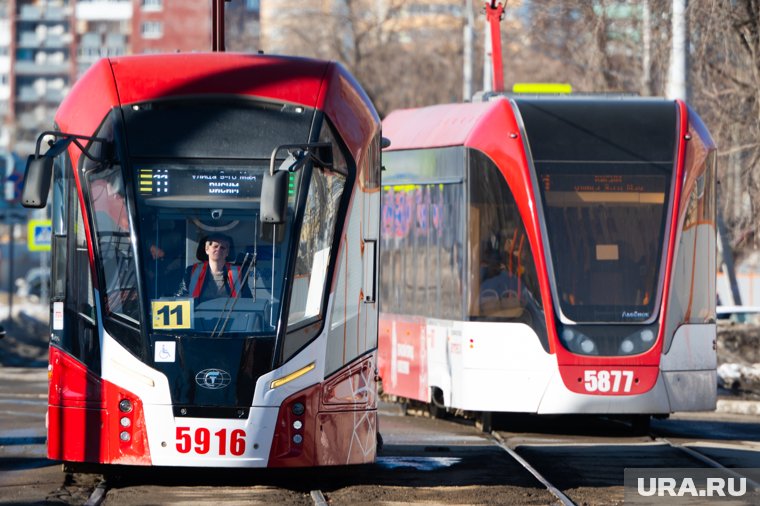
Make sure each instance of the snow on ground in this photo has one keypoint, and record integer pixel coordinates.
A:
(733, 375)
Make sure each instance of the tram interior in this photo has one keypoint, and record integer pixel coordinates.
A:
(256, 251)
(606, 256)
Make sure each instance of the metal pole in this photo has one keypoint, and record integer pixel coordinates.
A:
(217, 28)
(469, 33)
(487, 61)
(679, 57)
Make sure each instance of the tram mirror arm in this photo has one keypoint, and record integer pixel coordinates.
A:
(274, 186)
(2, 332)
(39, 167)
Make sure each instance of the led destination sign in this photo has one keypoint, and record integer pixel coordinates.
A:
(205, 182)
(585, 189)
(603, 183)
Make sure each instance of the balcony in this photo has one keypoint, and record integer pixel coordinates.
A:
(30, 68)
(29, 13)
(52, 97)
(38, 13)
(29, 39)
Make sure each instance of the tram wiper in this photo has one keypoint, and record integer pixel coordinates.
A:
(249, 261)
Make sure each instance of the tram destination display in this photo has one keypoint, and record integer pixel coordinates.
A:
(175, 181)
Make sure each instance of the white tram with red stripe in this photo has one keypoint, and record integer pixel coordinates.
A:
(153, 159)
(549, 255)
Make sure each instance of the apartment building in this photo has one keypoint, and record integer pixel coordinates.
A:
(102, 28)
(5, 75)
(45, 45)
(42, 69)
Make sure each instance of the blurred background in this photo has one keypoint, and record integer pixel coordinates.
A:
(405, 53)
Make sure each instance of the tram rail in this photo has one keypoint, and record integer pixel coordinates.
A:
(532, 470)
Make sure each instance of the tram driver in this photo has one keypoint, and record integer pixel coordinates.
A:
(214, 276)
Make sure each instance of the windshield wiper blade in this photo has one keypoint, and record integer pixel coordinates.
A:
(238, 289)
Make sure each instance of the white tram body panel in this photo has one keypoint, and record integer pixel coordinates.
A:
(497, 367)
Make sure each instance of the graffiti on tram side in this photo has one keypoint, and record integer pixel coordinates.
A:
(412, 207)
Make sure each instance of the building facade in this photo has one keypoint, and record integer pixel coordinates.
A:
(161, 26)
(42, 68)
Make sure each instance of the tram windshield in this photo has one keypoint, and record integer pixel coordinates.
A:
(606, 231)
(604, 170)
(209, 264)
(193, 238)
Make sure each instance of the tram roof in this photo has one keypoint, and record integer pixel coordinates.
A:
(484, 124)
(437, 125)
(121, 81)
(147, 77)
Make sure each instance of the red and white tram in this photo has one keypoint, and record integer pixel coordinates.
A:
(549, 255)
(157, 160)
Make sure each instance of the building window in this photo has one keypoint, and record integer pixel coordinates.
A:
(152, 30)
(152, 5)
(252, 5)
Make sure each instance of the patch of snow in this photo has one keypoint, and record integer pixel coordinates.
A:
(733, 375)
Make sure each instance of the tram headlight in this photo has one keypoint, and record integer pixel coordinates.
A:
(298, 439)
(626, 346)
(125, 422)
(125, 406)
(297, 424)
(567, 336)
(588, 346)
(124, 436)
(647, 335)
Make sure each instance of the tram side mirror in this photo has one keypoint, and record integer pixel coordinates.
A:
(2, 332)
(39, 171)
(274, 186)
(39, 174)
(39, 167)
(274, 197)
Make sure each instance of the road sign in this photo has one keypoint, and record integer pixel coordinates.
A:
(39, 235)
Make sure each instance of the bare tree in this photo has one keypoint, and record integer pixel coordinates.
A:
(597, 46)
(726, 82)
(401, 60)
(408, 60)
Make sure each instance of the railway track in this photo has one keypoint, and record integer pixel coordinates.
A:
(561, 461)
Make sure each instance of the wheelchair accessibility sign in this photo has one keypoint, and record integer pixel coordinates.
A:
(39, 235)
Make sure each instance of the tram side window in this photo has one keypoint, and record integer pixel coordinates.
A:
(320, 215)
(320, 219)
(503, 280)
(79, 333)
(62, 171)
(422, 234)
(109, 208)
